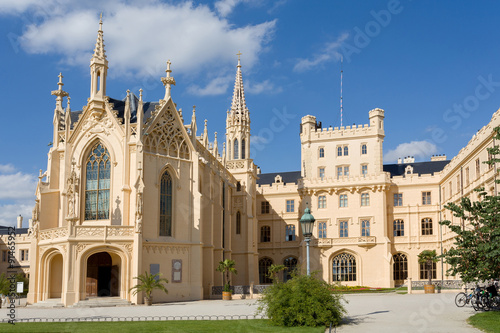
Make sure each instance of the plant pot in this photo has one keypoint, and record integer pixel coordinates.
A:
(429, 288)
(226, 295)
(148, 301)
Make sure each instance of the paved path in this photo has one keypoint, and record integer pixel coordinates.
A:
(367, 312)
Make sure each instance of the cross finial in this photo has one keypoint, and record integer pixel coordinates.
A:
(167, 81)
(140, 94)
(239, 54)
(100, 22)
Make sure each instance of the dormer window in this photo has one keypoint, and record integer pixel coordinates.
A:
(409, 170)
(278, 179)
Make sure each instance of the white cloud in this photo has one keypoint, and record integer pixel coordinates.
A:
(9, 214)
(265, 86)
(17, 186)
(7, 168)
(225, 7)
(141, 36)
(418, 149)
(217, 86)
(255, 139)
(329, 52)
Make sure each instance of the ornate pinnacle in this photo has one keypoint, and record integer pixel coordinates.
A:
(59, 92)
(239, 54)
(168, 80)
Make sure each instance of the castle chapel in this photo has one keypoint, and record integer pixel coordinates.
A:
(131, 187)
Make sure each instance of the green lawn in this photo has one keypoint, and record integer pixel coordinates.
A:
(486, 321)
(178, 326)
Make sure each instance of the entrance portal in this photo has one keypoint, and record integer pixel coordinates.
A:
(103, 275)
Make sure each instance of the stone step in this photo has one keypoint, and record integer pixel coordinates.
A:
(102, 302)
(48, 303)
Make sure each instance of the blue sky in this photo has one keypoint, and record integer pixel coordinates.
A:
(432, 66)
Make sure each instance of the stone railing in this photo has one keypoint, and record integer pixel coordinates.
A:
(361, 241)
(84, 231)
(447, 284)
(54, 233)
(243, 290)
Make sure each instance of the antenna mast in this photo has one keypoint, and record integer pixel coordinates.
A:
(341, 74)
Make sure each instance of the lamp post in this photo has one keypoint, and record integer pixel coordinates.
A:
(307, 223)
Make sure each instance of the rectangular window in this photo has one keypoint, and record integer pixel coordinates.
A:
(466, 176)
(364, 170)
(24, 255)
(363, 149)
(426, 198)
(321, 152)
(322, 230)
(265, 234)
(398, 199)
(322, 201)
(321, 173)
(4, 256)
(490, 165)
(478, 168)
(339, 151)
(427, 226)
(365, 199)
(264, 207)
(339, 172)
(365, 228)
(451, 189)
(290, 206)
(399, 228)
(290, 233)
(343, 200)
(343, 229)
(458, 183)
(346, 171)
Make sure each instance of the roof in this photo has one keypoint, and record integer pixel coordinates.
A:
(420, 168)
(287, 177)
(4, 230)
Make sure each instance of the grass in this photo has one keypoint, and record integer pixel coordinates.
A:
(486, 321)
(178, 326)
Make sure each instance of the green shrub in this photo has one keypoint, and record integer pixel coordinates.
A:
(302, 301)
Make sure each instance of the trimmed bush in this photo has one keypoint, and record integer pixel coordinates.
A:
(302, 301)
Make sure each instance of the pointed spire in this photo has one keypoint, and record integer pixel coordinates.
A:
(67, 120)
(140, 116)
(98, 69)
(205, 135)
(224, 153)
(215, 151)
(167, 81)
(126, 114)
(193, 125)
(99, 52)
(238, 104)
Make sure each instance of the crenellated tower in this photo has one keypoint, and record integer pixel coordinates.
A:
(238, 122)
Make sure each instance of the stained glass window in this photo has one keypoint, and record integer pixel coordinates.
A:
(97, 183)
(166, 205)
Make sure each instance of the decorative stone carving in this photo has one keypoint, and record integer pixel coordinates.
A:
(138, 213)
(94, 125)
(71, 190)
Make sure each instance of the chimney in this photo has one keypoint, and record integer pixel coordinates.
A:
(258, 170)
(30, 223)
(438, 158)
(19, 222)
(399, 160)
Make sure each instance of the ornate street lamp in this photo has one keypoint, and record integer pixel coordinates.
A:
(307, 224)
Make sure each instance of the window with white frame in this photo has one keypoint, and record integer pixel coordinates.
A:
(322, 230)
(290, 233)
(398, 199)
(399, 228)
(365, 199)
(346, 171)
(346, 151)
(364, 150)
(426, 198)
(339, 172)
(322, 201)
(339, 151)
(290, 206)
(343, 229)
(321, 173)
(24, 255)
(343, 200)
(321, 152)
(365, 228)
(364, 170)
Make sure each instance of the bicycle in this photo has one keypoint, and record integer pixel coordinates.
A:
(463, 298)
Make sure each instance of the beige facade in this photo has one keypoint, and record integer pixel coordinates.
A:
(130, 187)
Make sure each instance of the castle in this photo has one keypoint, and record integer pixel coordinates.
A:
(131, 187)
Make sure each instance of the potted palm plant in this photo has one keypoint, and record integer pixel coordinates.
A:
(148, 283)
(226, 267)
(428, 257)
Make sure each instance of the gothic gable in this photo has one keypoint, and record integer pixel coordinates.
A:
(166, 134)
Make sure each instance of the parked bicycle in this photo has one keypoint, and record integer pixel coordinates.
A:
(463, 298)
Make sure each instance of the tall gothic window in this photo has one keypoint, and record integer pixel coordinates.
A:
(264, 265)
(344, 268)
(236, 153)
(229, 150)
(243, 149)
(238, 223)
(400, 266)
(166, 205)
(97, 183)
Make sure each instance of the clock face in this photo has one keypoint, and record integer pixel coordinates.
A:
(177, 265)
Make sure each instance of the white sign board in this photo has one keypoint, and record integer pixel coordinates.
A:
(20, 287)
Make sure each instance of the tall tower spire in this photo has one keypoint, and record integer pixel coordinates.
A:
(98, 68)
(238, 121)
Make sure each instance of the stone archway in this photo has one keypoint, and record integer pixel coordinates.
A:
(55, 280)
(103, 275)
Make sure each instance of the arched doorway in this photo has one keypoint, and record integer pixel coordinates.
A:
(400, 268)
(103, 275)
(55, 276)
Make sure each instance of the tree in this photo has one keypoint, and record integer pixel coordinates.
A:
(148, 283)
(476, 256)
(273, 272)
(226, 267)
(428, 257)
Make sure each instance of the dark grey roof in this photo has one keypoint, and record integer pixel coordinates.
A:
(287, 177)
(119, 105)
(4, 230)
(420, 168)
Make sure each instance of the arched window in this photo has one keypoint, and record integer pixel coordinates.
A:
(365, 228)
(399, 228)
(243, 149)
(321, 152)
(427, 226)
(290, 264)
(264, 265)
(97, 183)
(400, 267)
(236, 153)
(363, 149)
(265, 234)
(346, 151)
(238, 223)
(166, 205)
(344, 268)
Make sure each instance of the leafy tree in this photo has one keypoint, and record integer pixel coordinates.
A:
(302, 301)
(273, 272)
(5, 283)
(227, 267)
(148, 283)
(428, 257)
(476, 256)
